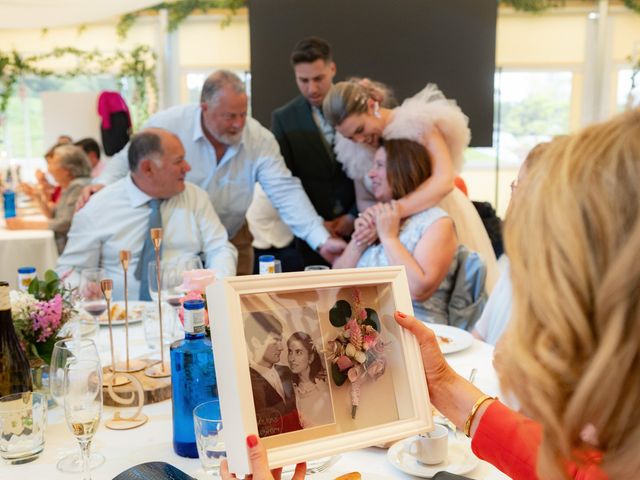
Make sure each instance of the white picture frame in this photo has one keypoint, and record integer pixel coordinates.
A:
(395, 405)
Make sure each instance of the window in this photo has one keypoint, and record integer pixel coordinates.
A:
(626, 97)
(530, 107)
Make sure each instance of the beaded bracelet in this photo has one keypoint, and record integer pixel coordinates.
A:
(474, 410)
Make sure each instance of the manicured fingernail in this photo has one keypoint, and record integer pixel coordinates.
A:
(252, 441)
(401, 315)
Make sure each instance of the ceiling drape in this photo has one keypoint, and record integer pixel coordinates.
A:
(18, 14)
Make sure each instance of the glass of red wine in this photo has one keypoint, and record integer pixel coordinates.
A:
(173, 279)
(93, 301)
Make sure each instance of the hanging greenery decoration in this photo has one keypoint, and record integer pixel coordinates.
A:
(179, 11)
(138, 64)
(542, 5)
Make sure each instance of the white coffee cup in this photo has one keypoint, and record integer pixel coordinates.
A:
(430, 448)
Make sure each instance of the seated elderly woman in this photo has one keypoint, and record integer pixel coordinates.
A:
(425, 243)
(70, 168)
(573, 236)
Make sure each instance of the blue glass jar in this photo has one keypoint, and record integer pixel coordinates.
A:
(193, 377)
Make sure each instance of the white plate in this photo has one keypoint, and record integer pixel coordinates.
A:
(460, 459)
(452, 339)
(136, 312)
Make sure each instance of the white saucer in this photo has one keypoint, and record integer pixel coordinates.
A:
(460, 459)
(452, 339)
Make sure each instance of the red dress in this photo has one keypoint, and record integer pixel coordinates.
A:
(510, 441)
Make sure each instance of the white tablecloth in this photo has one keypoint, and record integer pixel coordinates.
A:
(25, 248)
(152, 442)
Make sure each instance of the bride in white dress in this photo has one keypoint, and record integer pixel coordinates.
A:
(313, 398)
(428, 118)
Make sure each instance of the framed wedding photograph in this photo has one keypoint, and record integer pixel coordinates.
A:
(315, 364)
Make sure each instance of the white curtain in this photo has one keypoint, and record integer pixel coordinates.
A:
(18, 14)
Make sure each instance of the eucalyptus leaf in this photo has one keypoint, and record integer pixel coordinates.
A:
(340, 314)
(338, 377)
(372, 319)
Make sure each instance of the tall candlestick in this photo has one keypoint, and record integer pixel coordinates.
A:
(162, 371)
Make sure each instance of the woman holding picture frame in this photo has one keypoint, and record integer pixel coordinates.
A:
(572, 237)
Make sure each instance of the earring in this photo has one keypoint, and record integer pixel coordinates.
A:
(376, 110)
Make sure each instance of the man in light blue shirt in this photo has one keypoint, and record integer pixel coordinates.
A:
(117, 217)
(229, 152)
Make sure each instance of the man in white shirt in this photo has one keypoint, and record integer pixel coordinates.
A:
(117, 217)
(271, 384)
(229, 152)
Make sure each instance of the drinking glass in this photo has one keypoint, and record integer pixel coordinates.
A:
(173, 277)
(91, 293)
(83, 404)
(23, 418)
(207, 423)
(65, 352)
(153, 280)
(310, 268)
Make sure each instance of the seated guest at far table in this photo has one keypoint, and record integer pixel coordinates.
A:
(572, 343)
(70, 168)
(154, 195)
(92, 149)
(425, 243)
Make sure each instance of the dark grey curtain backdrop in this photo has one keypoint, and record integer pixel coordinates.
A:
(404, 43)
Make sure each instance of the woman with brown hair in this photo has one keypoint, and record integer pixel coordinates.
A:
(425, 243)
(429, 118)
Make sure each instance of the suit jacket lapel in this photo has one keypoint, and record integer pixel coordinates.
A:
(304, 118)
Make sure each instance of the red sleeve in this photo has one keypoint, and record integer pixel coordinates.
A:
(510, 441)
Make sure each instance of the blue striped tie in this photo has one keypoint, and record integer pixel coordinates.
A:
(148, 252)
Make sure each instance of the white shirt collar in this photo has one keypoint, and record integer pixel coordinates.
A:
(136, 196)
(198, 133)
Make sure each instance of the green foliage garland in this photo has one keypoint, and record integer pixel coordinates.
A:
(542, 5)
(138, 64)
(179, 11)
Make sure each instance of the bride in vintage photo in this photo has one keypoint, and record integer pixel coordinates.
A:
(310, 385)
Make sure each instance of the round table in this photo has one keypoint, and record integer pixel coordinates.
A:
(25, 248)
(152, 442)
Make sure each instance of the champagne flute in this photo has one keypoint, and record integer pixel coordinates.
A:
(92, 299)
(83, 404)
(65, 352)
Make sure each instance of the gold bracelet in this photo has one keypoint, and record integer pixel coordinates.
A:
(474, 410)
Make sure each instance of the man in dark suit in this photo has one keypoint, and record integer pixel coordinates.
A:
(272, 385)
(306, 143)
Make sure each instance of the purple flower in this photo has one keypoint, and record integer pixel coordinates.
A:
(47, 317)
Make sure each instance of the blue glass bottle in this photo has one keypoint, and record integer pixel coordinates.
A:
(9, 197)
(193, 377)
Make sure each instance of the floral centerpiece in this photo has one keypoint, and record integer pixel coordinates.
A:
(195, 283)
(357, 353)
(39, 313)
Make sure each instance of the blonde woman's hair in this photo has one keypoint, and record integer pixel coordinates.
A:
(351, 97)
(574, 342)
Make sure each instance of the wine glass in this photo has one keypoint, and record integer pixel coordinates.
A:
(82, 394)
(173, 281)
(65, 352)
(153, 280)
(90, 292)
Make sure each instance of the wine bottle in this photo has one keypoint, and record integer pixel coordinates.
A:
(193, 377)
(15, 374)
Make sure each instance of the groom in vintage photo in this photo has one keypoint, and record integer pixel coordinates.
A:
(272, 385)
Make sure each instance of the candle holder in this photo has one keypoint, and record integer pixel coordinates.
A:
(129, 365)
(106, 285)
(161, 369)
(113, 379)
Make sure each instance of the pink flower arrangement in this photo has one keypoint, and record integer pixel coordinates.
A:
(39, 314)
(357, 353)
